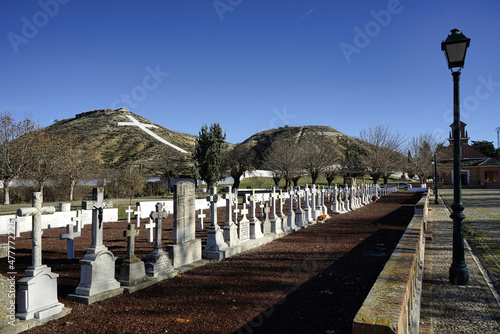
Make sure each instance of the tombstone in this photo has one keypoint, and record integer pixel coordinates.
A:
(215, 237)
(307, 206)
(314, 212)
(70, 242)
(137, 214)
(158, 261)
(244, 225)
(132, 269)
(275, 219)
(17, 221)
(185, 248)
(266, 224)
(291, 214)
(129, 212)
(335, 203)
(150, 226)
(200, 217)
(281, 215)
(235, 206)
(255, 227)
(98, 265)
(347, 199)
(300, 216)
(324, 209)
(37, 290)
(78, 221)
(230, 228)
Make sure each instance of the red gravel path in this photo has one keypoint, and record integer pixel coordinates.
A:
(311, 281)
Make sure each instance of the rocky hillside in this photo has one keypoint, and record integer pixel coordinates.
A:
(121, 144)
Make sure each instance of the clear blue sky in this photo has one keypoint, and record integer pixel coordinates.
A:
(252, 65)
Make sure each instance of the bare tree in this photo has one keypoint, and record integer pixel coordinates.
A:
(382, 151)
(421, 149)
(44, 160)
(318, 154)
(132, 181)
(283, 158)
(13, 150)
(78, 160)
(331, 173)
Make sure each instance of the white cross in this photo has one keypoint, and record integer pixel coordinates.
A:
(17, 222)
(137, 214)
(70, 243)
(78, 220)
(129, 211)
(200, 216)
(150, 226)
(144, 127)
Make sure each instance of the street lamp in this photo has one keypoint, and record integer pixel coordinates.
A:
(434, 163)
(455, 47)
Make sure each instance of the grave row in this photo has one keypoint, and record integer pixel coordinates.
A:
(37, 290)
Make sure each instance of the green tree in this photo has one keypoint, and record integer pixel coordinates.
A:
(209, 152)
(485, 147)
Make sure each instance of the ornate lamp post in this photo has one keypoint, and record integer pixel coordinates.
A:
(434, 163)
(455, 47)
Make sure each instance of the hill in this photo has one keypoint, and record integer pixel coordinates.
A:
(260, 142)
(122, 137)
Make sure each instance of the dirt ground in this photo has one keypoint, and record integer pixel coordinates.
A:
(311, 281)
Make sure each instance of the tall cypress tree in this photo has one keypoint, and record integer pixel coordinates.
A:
(208, 154)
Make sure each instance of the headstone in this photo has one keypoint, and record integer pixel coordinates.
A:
(137, 214)
(275, 219)
(200, 217)
(132, 269)
(281, 215)
(300, 216)
(129, 211)
(314, 213)
(335, 202)
(17, 221)
(230, 228)
(324, 209)
(70, 242)
(186, 248)
(291, 214)
(98, 264)
(307, 206)
(158, 261)
(235, 206)
(37, 290)
(150, 226)
(78, 221)
(244, 225)
(266, 224)
(255, 227)
(215, 237)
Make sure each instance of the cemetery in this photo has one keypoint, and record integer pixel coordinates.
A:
(226, 266)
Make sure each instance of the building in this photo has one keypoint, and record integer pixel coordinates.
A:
(477, 169)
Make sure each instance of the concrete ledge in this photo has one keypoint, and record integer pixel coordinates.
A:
(393, 304)
(87, 300)
(18, 326)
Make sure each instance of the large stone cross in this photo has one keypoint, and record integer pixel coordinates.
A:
(130, 233)
(158, 216)
(98, 207)
(70, 242)
(252, 200)
(36, 211)
(229, 199)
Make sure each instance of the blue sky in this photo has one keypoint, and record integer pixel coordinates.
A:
(252, 65)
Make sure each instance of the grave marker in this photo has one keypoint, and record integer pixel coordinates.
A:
(132, 269)
(230, 228)
(200, 217)
(158, 261)
(70, 243)
(244, 225)
(137, 214)
(255, 228)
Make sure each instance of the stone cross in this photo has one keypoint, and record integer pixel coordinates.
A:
(235, 208)
(213, 199)
(137, 214)
(36, 211)
(17, 222)
(281, 202)
(244, 211)
(229, 198)
(130, 234)
(272, 200)
(252, 200)
(150, 227)
(70, 243)
(200, 216)
(158, 216)
(129, 211)
(78, 220)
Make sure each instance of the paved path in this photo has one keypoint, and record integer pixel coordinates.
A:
(448, 308)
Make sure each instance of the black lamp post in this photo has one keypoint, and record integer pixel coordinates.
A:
(455, 47)
(434, 163)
